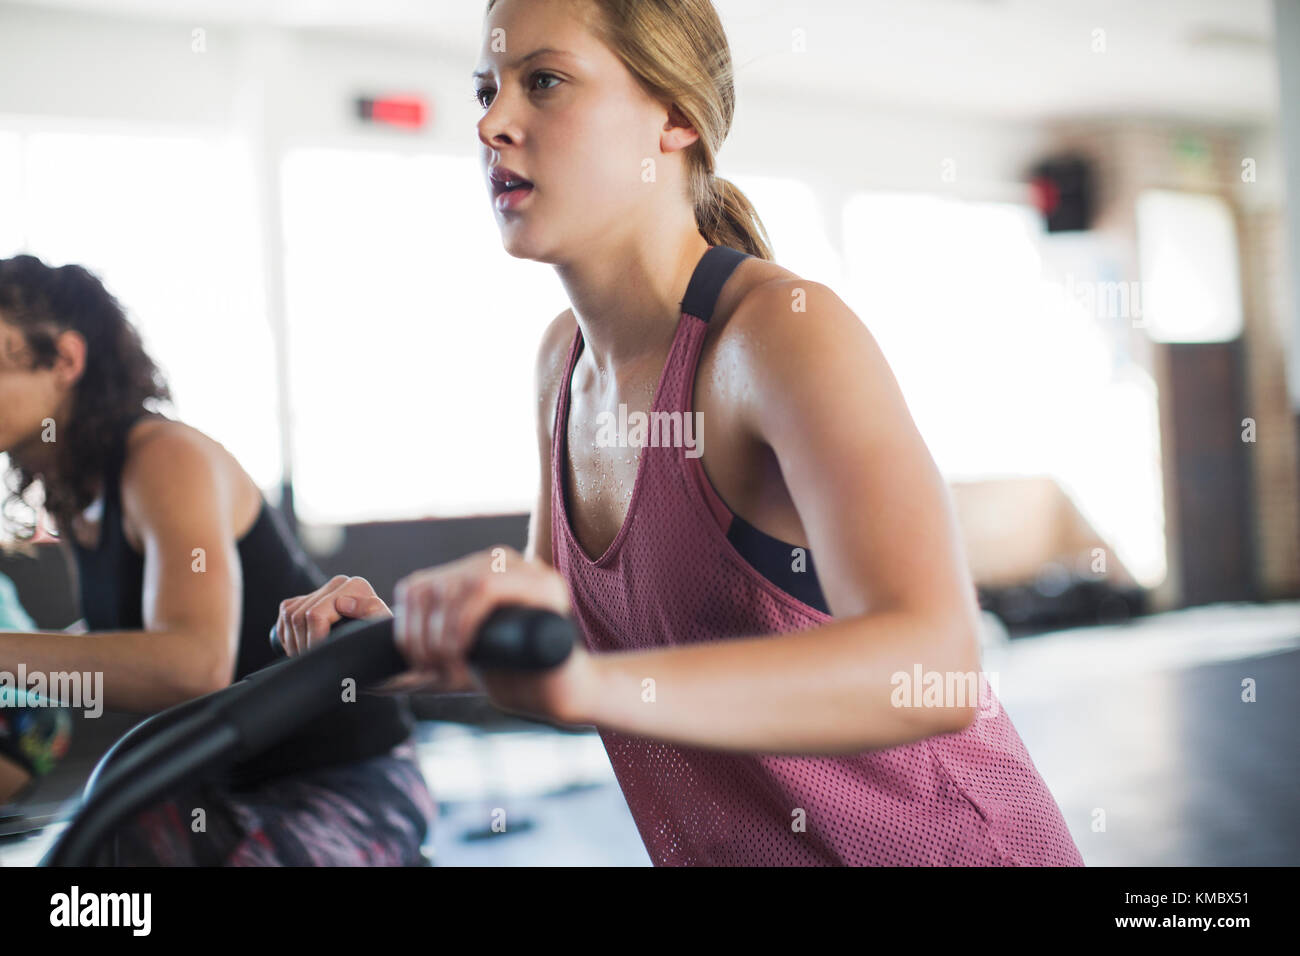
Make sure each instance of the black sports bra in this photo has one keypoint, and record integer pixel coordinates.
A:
(786, 565)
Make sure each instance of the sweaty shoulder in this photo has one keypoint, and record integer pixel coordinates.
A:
(768, 317)
(777, 337)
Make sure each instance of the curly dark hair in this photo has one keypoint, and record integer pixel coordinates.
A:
(118, 380)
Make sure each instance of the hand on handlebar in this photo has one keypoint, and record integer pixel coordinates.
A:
(305, 621)
(438, 612)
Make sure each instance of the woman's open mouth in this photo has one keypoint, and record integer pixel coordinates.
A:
(509, 188)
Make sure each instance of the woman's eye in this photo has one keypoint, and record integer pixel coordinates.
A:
(483, 96)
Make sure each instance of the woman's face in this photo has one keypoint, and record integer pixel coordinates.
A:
(562, 112)
(29, 397)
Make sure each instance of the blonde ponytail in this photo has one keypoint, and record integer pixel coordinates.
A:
(726, 217)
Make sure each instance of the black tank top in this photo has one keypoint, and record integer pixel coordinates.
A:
(274, 567)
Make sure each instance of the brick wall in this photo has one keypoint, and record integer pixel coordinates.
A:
(1273, 455)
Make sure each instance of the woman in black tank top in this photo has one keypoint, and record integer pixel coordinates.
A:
(191, 613)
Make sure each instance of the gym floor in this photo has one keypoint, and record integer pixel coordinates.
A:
(1140, 730)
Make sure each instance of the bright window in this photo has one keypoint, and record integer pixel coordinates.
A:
(1005, 372)
(1191, 278)
(797, 224)
(11, 218)
(413, 338)
(166, 223)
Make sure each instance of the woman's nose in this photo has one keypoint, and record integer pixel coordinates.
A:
(497, 126)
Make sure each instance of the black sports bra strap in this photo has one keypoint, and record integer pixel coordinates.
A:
(711, 274)
(117, 458)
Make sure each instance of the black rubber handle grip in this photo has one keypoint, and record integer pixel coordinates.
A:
(512, 638)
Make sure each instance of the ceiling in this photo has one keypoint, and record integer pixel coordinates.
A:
(1209, 60)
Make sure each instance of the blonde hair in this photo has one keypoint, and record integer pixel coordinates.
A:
(678, 52)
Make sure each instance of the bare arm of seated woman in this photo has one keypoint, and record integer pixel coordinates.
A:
(176, 495)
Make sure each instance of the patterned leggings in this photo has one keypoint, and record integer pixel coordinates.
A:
(375, 812)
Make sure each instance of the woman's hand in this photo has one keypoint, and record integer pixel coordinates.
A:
(305, 621)
(439, 611)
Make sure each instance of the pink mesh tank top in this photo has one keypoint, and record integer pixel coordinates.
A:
(671, 577)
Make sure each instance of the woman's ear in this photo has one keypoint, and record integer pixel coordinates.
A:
(678, 133)
(71, 360)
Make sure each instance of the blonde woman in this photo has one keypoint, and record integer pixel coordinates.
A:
(745, 693)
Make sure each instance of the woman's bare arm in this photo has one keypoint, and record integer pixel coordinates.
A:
(178, 501)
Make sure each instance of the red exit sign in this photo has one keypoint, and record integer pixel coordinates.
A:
(405, 112)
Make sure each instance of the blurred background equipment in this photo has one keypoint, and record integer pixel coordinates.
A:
(1037, 562)
(1063, 193)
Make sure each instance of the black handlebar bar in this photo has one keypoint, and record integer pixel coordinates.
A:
(271, 705)
(512, 638)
